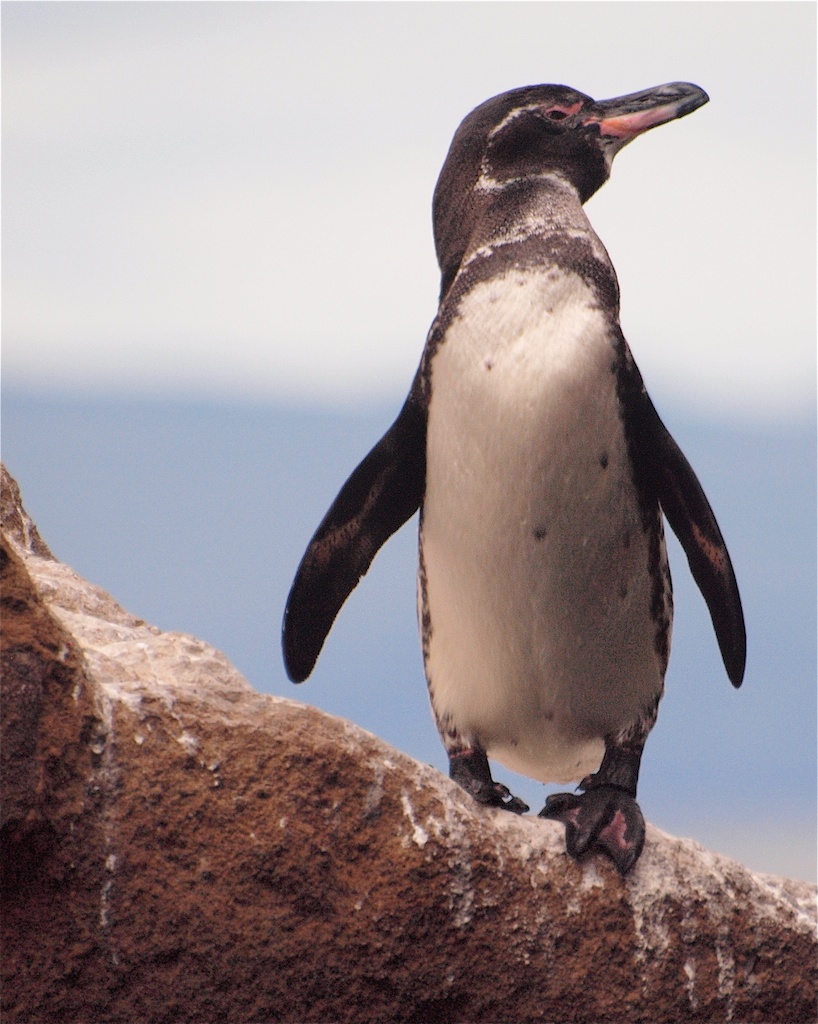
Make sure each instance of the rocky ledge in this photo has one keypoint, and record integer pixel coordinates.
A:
(177, 847)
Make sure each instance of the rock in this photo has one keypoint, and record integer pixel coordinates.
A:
(178, 847)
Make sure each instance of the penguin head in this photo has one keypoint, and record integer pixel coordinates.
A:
(534, 132)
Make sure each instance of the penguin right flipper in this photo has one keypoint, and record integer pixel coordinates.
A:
(378, 498)
(688, 511)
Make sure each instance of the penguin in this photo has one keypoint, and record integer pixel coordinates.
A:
(543, 475)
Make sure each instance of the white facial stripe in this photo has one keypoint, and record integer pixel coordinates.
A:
(512, 115)
(486, 183)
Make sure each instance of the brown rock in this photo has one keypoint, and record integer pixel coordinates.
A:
(177, 847)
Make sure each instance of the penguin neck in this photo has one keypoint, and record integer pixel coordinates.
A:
(535, 222)
(532, 207)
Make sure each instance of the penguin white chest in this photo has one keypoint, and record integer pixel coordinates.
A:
(535, 587)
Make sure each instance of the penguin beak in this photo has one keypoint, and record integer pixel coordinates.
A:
(620, 120)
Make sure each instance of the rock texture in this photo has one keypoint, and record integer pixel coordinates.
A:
(179, 848)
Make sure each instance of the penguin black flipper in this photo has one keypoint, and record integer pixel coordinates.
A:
(378, 498)
(672, 479)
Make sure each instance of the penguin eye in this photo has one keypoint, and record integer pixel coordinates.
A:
(556, 114)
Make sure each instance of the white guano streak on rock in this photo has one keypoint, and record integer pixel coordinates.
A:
(420, 837)
(690, 983)
(374, 792)
(105, 780)
(461, 887)
(452, 830)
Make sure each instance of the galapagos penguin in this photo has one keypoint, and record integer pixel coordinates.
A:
(542, 472)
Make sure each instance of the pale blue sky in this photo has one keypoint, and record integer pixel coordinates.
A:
(234, 199)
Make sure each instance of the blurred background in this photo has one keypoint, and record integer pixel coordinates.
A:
(218, 273)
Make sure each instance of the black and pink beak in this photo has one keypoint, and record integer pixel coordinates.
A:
(625, 117)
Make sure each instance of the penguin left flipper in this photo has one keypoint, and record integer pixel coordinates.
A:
(670, 478)
(378, 498)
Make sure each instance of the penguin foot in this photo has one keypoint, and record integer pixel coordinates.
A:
(470, 769)
(605, 819)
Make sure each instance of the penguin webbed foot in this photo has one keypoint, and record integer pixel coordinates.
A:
(605, 818)
(470, 769)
